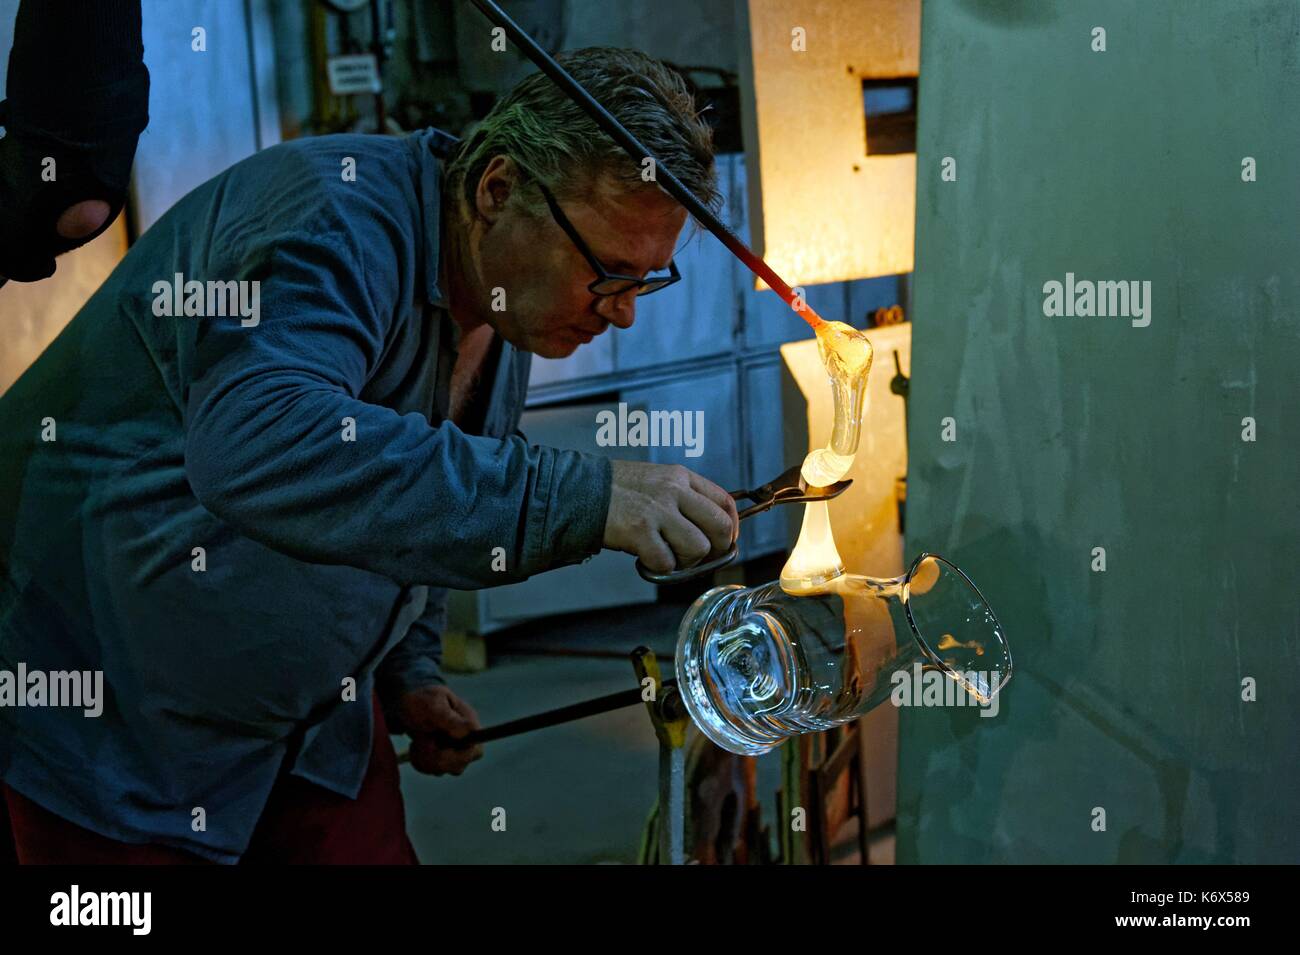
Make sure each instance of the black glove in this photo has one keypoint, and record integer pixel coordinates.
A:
(79, 96)
(31, 203)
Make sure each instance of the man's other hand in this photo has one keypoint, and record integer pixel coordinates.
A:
(431, 714)
(668, 516)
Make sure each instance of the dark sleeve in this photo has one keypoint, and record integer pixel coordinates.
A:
(416, 661)
(280, 444)
(78, 93)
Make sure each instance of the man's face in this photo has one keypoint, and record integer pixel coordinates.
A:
(548, 308)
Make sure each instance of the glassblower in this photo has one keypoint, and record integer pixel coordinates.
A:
(820, 647)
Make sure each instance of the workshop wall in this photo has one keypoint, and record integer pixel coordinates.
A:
(211, 98)
(1076, 433)
(440, 68)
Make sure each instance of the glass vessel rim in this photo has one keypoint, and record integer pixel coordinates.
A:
(921, 641)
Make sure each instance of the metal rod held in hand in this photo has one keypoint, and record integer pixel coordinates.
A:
(565, 714)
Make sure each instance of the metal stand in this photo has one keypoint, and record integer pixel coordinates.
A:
(670, 719)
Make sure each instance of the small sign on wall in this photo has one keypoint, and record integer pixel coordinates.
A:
(353, 73)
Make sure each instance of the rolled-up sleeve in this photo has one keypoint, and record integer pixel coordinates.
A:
(280, 444)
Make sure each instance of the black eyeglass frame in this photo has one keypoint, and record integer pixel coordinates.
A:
(647, 286)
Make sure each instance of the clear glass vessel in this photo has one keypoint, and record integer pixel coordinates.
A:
(756, 665)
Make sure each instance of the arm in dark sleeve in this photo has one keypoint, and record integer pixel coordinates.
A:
(269, 408)
(416, 661)
(78, 93)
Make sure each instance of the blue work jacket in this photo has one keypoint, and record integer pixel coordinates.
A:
(231, 517)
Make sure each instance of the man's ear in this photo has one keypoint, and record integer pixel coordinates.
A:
(499, 179)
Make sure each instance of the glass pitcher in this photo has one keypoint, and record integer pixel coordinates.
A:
(756, 665)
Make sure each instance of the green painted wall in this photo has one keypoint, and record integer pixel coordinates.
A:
(1076, 433)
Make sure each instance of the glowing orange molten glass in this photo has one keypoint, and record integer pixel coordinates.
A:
(846, 353)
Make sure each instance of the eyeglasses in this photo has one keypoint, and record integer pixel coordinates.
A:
(607, 283)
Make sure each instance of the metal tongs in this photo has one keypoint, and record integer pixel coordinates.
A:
(789, 488)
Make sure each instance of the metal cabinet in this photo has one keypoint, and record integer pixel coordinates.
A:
(697, 317)
(713, 396)
(761, 407)
(607, 580)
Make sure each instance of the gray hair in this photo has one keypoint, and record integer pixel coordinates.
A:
(540, 127)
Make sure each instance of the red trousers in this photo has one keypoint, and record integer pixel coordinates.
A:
(302, 824)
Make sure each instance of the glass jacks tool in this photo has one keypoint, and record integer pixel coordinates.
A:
(789, 488)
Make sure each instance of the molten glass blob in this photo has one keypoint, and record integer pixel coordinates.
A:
(757, 665)
(815, 560)
(846, 354)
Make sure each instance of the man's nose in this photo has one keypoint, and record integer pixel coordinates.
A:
(619, 310)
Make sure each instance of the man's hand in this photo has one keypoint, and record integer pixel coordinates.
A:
(668, 516)
(430, 715)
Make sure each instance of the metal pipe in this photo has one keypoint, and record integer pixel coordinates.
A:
(565, 714)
